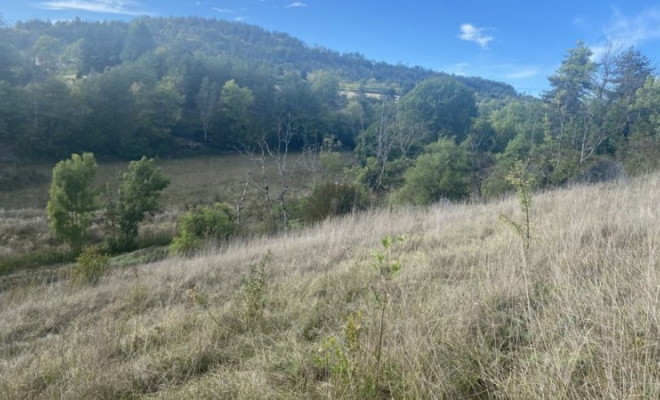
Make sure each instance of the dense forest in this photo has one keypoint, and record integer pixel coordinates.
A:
(167, 86)
(153, 86)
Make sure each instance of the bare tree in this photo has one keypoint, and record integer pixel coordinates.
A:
(311, 157)
(385, 138)
(286, 130)
(243, 196)
(256, 155)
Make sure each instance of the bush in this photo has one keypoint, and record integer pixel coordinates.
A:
(217, 222)
(91, 265)
(332, 198)
(381, 179)
(442, 172)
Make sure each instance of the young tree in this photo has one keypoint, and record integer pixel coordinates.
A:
(139, 194)
(207, 102)
(73, 198)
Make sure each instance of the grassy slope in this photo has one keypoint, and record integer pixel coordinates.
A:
(468, 317)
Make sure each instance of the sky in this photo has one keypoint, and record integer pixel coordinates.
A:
(520, 42)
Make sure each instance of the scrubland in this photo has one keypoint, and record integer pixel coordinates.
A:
(300, 314)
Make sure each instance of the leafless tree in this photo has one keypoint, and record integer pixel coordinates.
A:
(286, 131)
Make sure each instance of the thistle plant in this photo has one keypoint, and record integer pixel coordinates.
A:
(254, 290)
(520, 178)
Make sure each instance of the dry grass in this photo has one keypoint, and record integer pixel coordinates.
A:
(200, 180)
(194, 180)
(468, 317)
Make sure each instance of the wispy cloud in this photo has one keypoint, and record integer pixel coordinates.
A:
(521, 73)
(124, 7)
(471, 33)
(241, 18)
(223, 10)
(625, 31)
(504, 71)
(296, 4)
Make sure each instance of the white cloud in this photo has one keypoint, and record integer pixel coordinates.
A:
(241, 18)
(623, 31)
(124, 7)
(296, 4)
(471, 33)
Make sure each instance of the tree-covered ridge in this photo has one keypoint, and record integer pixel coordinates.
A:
(129, 89)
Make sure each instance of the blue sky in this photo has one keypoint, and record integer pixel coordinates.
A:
(520, 42)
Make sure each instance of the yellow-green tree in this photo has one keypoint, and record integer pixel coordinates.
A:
(73, 198)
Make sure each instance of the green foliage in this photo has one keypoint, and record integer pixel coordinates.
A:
(139, 41)
(442, 172)
(523, 182)
(202, 223)
(339, 356)
(90, 266)
(387, 268)
(444, 105)
(382, 178)
(331, 198)
(255, 295)
(236, 104)
(73, 198)
(139, 194)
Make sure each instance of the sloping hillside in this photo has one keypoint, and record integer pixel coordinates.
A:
(307, 314)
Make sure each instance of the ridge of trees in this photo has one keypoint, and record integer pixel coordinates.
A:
(158, 86)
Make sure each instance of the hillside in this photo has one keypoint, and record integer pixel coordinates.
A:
(166, 86)
(467, 316)
(109, 43)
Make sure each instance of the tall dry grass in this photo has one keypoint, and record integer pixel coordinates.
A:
(468, 317)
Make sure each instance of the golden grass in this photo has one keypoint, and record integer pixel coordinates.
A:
(468, 316)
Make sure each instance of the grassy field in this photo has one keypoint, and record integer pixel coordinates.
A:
(295, 315)
(194, 180)
(202, 180)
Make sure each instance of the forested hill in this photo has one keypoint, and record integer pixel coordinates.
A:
(156, 85)
(110, 43)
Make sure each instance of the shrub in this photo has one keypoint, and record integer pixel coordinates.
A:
(442, 172)
(91, 265)
(379, 178)
(332, 198)
(217, 222)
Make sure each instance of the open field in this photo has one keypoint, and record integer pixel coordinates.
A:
(468, 316)
(194, 180)
(200, 180)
